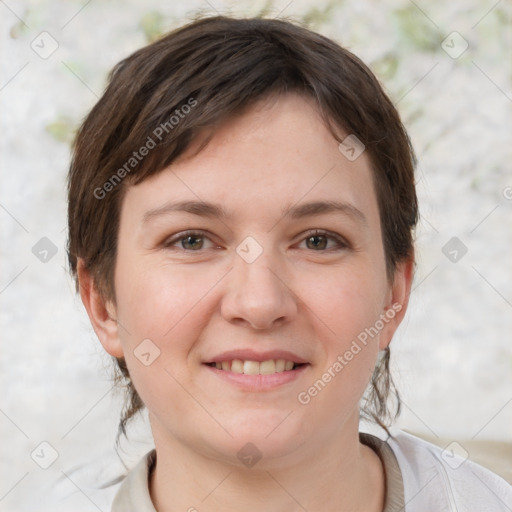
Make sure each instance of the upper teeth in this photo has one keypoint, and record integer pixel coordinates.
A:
(255, 367)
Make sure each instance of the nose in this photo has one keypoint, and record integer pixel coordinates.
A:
(258, 294)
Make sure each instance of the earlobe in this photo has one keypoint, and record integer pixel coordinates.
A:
(399, 299)
(101, 313)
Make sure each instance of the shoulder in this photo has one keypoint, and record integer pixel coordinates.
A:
(133, 494)
(437, 479)
(106, 488)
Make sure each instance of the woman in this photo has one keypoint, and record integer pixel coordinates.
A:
(241, 218)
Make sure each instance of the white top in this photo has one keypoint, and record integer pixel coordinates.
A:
(441, 481)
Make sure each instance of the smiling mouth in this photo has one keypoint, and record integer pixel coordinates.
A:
(248, 367)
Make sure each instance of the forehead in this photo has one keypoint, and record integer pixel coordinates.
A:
(278, 153)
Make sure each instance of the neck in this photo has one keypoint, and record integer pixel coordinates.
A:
(335, 475)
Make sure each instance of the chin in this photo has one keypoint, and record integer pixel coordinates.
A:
(263, 435)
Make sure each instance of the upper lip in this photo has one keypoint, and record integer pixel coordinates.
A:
(251, 355)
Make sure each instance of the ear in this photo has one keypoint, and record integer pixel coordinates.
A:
(397, 301)
(102, 314)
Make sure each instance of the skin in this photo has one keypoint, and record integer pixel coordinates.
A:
(197, 298)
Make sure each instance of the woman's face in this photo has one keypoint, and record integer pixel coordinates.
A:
(293, 269)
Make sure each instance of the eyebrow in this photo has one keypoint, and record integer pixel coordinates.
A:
(212, 210)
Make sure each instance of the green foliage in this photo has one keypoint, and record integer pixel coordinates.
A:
(152, 25)
(386, 67)
(62, 129)
(416, 30)
(18, 30)
(318, 16)
(267, 10)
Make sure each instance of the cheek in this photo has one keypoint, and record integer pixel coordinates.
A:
(346, 308)
(169, 308)
(158, 301)
(347, 300)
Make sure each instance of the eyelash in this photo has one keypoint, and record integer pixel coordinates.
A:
(342, 243)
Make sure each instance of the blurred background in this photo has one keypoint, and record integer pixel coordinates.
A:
(446, 66)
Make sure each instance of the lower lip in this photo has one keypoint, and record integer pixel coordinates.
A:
(259, 382)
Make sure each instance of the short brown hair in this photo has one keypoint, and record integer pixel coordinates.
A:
(219, 66)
